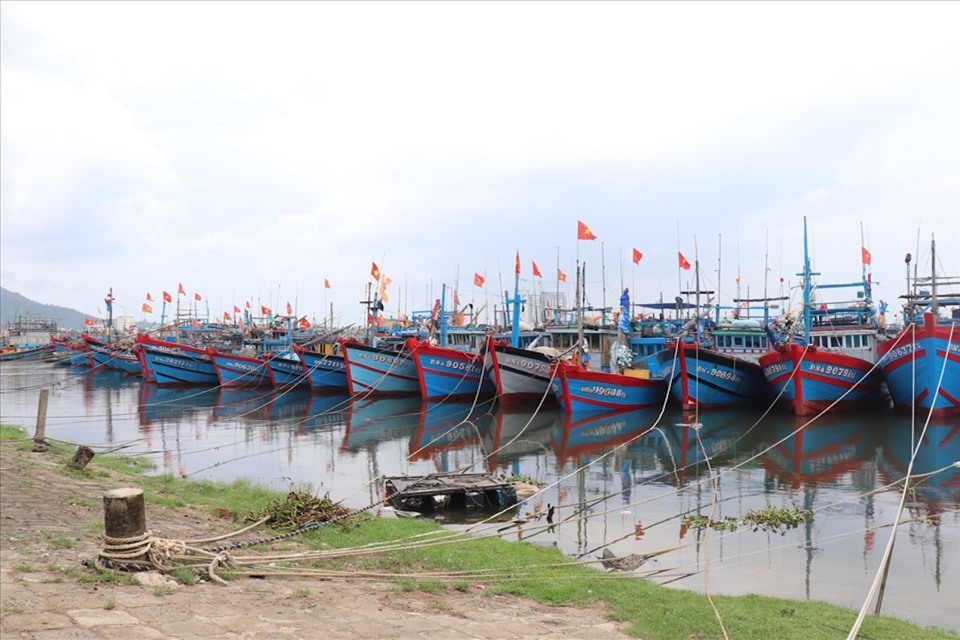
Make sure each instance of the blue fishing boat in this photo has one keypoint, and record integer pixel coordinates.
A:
(176, 363)
(286, 370)
(580, 389)
(727, 374)
(379, 370)
(921, 363)
(112, 356)
(325, 369)
(240, 369)
(833, 367)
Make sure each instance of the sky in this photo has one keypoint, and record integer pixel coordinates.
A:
(252, 151)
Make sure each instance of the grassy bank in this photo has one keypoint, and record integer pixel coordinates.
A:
(498, 566)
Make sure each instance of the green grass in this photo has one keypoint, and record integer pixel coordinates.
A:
(653, 612)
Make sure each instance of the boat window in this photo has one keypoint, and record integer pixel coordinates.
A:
(738, 341)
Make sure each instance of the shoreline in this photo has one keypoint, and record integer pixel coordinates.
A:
(41, 572)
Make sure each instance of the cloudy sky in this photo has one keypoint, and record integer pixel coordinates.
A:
(252, 150)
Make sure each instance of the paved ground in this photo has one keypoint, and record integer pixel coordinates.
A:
(48, 527)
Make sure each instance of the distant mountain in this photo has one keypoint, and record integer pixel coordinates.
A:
(13, 304)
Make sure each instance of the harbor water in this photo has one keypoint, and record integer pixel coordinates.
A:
(633, 483)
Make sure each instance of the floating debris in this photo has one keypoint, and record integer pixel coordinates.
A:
(448, 490)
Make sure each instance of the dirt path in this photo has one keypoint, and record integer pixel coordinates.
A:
(49, 523)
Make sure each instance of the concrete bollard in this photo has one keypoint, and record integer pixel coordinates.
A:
(123, 513)
(39, 437)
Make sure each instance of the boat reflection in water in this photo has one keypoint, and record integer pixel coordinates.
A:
(243, 404)
(289, 406)
(821, 451)
(379, 419)
(169, 405)
(324, 412)
(939, 449)
(447, 427)
(511, 436)
(576, 438)
(723, 437)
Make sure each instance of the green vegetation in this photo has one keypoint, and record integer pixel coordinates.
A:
(542, 574)
(770, 518)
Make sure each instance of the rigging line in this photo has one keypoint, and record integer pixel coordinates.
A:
(706, 548)
(547, 392)
(888, 551)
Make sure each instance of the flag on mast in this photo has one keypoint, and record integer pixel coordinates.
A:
(583, 232)
(637, 256)
(684, 263)
(478, 280)
(536, 271)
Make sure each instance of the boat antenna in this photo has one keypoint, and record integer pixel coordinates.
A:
(766, 274)
(807, 315)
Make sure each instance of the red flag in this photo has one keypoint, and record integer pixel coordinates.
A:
(236, 309)
(864, 255)
(375, 271)
(226, 317)
(88, 322)
(304, 323)
(637, 256)
(478, 280)
(584, 233)
(197, 297)
(289, 309)
(167, 297)
(146, 308)
(149, 297)
(326, 283)
(518, 263)
(264, 310)
(561, 276)
(248, 304)
(536, 271)
(180, 291)
(684, 263)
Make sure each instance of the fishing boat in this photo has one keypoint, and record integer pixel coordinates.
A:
(520, 369)
(324, 366)
(579, 389)
(520, 375)
(834, 365)
(177, 363)
(921, 363)
(74, 352)
(380, 365)
(112, 355)
(379, 370)
(35, 352)
(243, 369)
(725, 374)
(27, 338)
(446, 372)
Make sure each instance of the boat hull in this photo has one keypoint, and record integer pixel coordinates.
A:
(705, 379)
(234, 370)
(287, 373)
(174, 364)
(449, 373)
(809, 381)
(580, 390)
(371, 370)
(519, 376)
(325, 372)
(921, 366)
